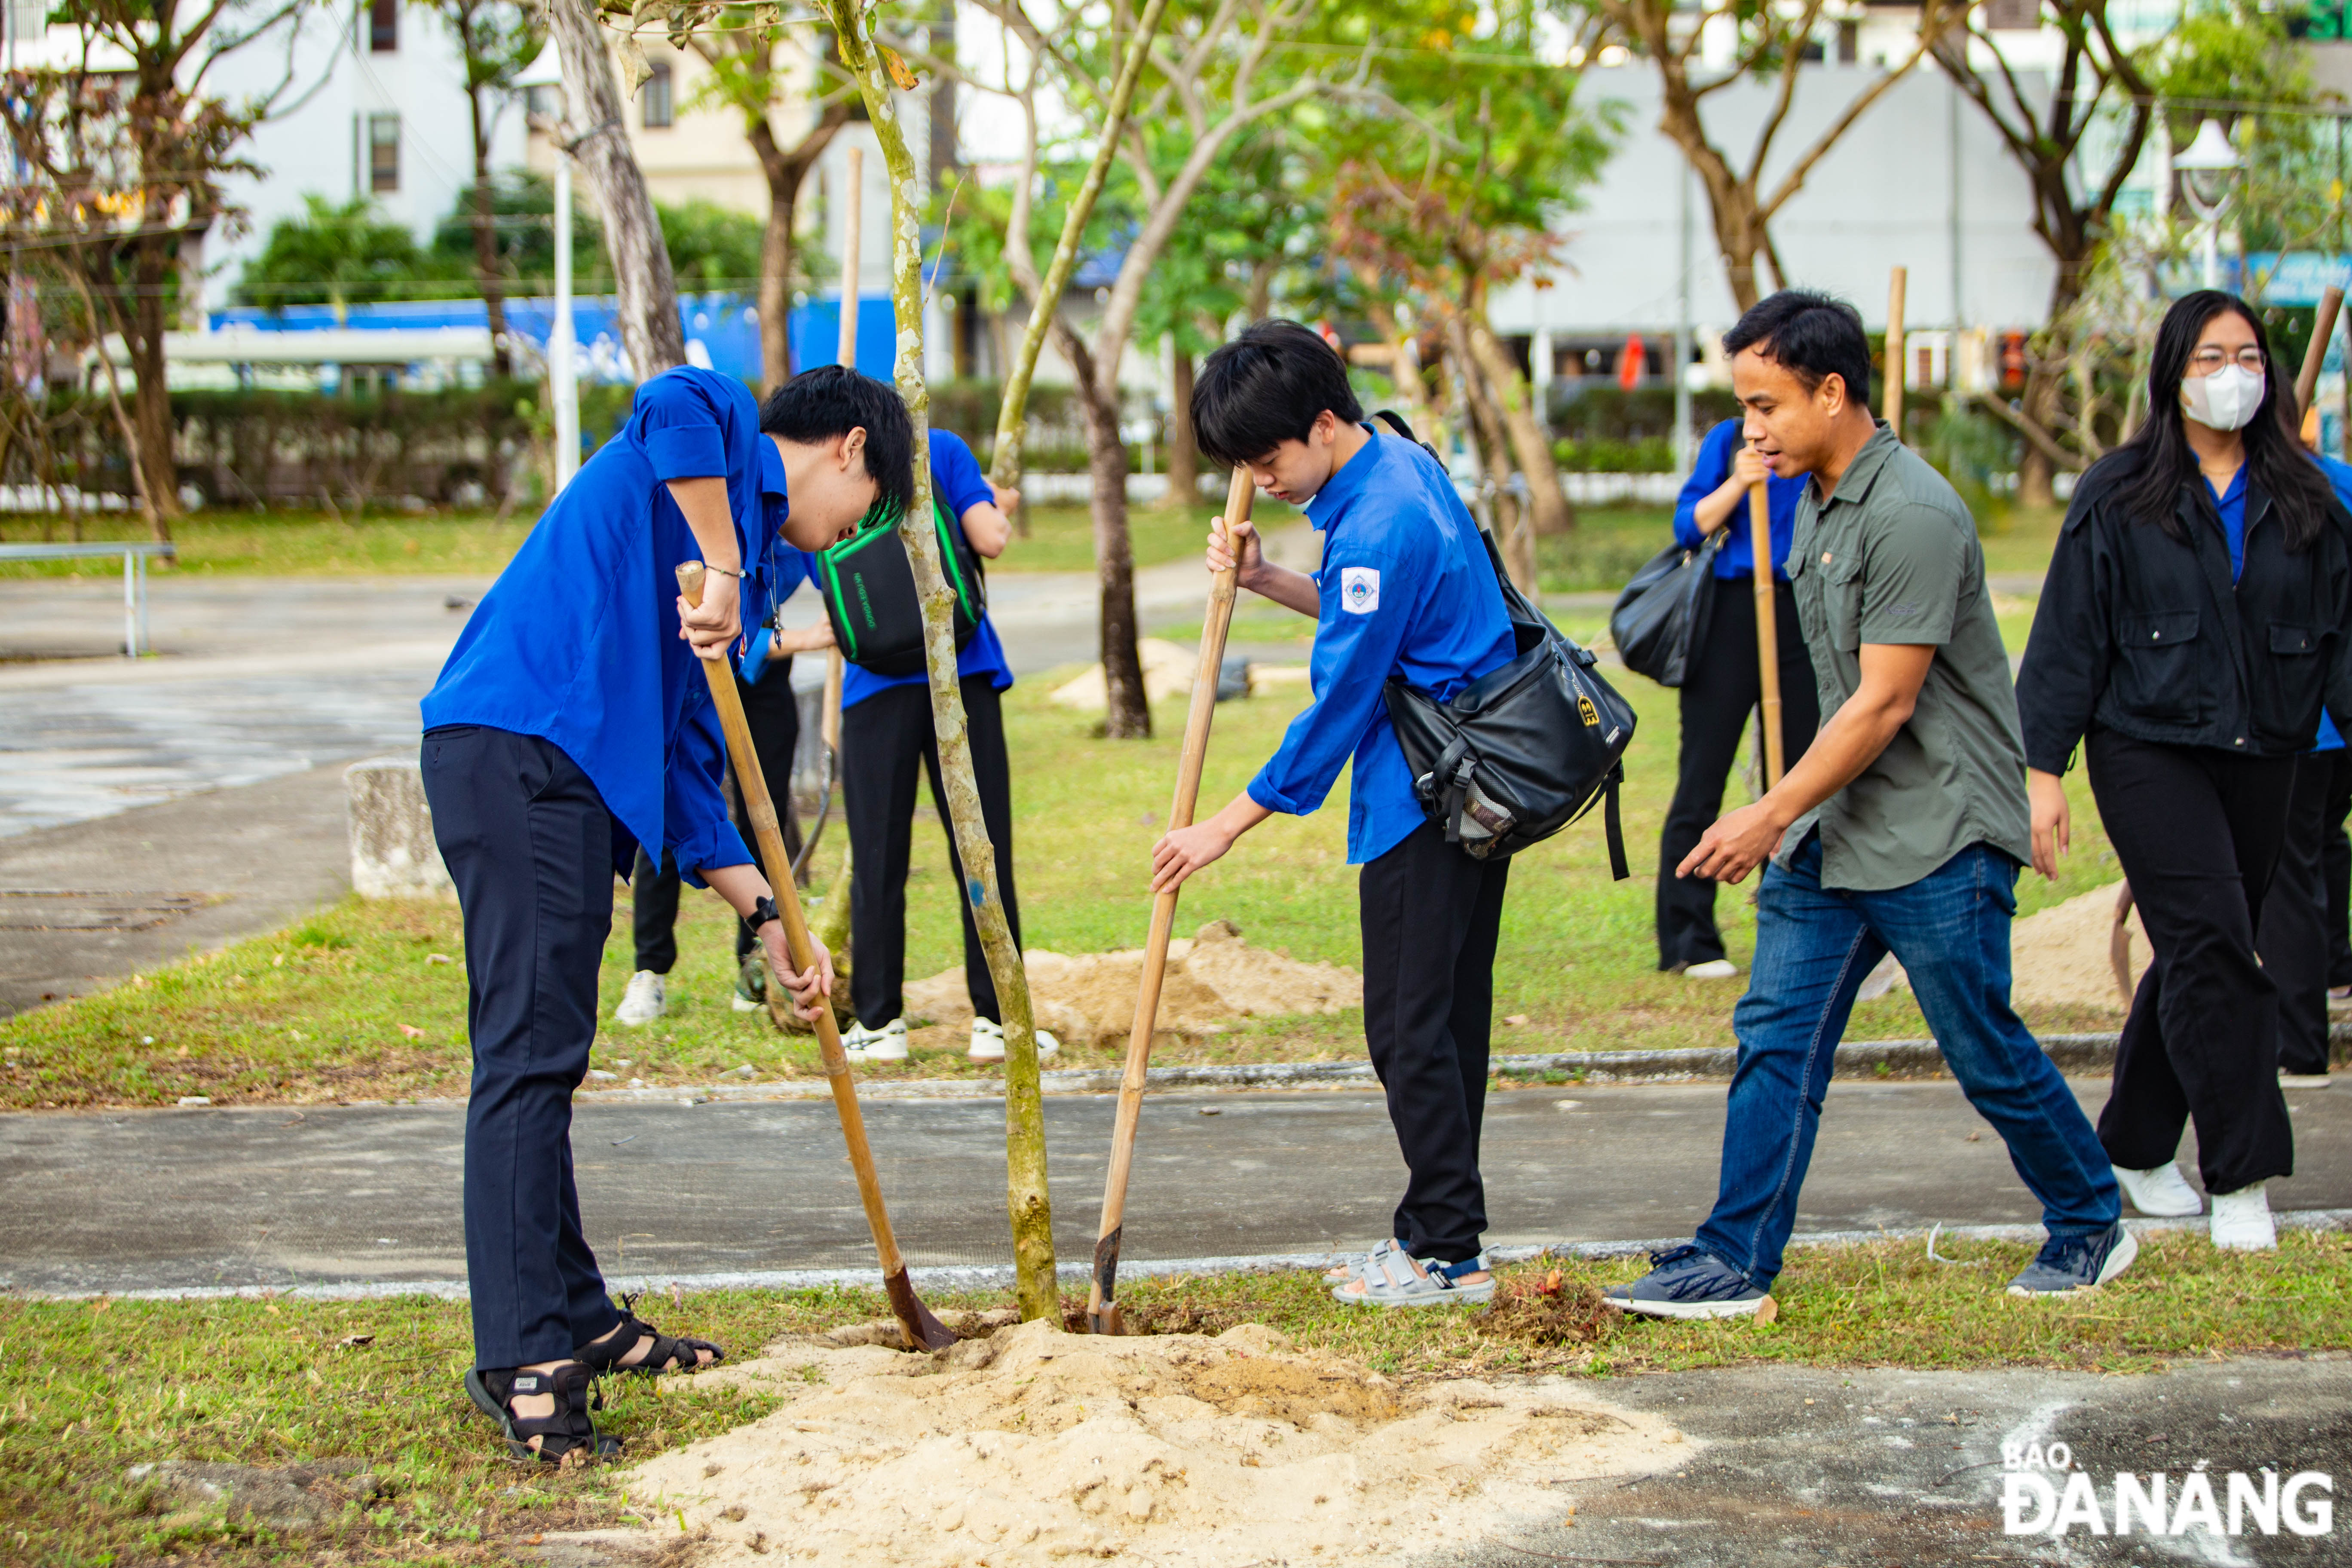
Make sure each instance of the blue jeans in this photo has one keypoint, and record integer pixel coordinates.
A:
(1813, 947)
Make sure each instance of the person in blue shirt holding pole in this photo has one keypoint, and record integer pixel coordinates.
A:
(570, 725)
(1405, 589)
(887, 736)
(1723, 686)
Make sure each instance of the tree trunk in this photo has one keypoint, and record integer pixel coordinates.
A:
(1529, 443)
(776, 288)
(1486, 425)
(485, 233)
(1183, 456)
(1127, 716)
(651, 332)
(151, 398)
(1026, 1198)
(1013, 412)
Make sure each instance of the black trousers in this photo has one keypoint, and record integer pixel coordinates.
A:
(1720, 692)
(2198, 832)
(2298, 943)
(1430, 916)
(529, 843)
(774, 716)
(883, 740)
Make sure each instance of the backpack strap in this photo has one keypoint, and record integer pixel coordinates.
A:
(1612, 826)
(1395, 422)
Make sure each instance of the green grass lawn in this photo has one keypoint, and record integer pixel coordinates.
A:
(95, 1387)
(295, 543)
(351, 1004)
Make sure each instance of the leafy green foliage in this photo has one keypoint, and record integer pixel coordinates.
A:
(334, 253)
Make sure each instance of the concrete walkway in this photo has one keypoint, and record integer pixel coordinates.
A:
(364, 1198)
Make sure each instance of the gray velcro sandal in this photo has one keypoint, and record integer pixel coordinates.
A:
(1393, 1279)
(1350, 1269)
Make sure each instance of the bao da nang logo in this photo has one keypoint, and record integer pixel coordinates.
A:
(2042, 1493)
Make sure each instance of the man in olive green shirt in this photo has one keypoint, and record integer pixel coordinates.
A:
(1901, 829)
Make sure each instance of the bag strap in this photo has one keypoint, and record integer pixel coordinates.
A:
(1613, 826)
(1395, 422)
(1449, 780)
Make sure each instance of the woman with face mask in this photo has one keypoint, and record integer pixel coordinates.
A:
(2195, 620)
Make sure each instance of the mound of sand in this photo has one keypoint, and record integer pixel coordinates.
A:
(1167, 671)
(1212, 979)
(1032, 1446)
(2060, 957)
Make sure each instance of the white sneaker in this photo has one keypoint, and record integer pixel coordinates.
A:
(988, 1042)
(2241, 1220)
(886, 1044)
(2160, 1191)
(646, 999)
(1713, 968)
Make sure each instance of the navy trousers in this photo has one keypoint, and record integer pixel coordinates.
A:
(529, 843)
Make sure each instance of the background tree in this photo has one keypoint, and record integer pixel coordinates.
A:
(339, 254)
(753, 64)
(2046, 121)
(497, 41)
(121, 152)
(1772, 42)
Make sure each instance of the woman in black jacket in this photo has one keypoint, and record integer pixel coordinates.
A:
(2196, 619)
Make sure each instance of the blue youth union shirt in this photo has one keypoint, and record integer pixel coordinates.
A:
(1709, 470)
(958, 483)
(577, 641)
(1405, 589)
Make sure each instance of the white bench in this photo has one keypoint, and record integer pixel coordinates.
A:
(134, 554)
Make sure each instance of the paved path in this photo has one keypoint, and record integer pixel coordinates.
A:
(365, 1196)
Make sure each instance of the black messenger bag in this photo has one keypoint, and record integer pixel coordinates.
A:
(1523, 750)
(1662, 615)
(869, 587)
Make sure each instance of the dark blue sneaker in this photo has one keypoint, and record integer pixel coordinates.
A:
(2075, 1263)
(1684, 1282)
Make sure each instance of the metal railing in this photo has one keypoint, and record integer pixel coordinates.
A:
(134, 554)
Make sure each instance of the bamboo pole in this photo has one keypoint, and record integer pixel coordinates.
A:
(1768, 631)
(923, 1330)
(2322, 327)
(1027, 1201)
(1102, 1307)
(853, 202)
(1895, 288)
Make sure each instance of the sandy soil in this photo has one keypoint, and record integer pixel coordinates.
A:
(1032, 1446)
(1214, 979)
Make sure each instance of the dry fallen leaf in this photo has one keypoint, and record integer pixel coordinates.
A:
(352, 1342)
(1550, 1285)
(411, 1030)
(1769, 1311)
(1515, 1019)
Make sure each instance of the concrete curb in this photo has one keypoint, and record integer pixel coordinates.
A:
(998, 1276)
(1899, 1059)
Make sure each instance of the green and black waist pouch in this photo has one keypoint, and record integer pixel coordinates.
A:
(868, 586)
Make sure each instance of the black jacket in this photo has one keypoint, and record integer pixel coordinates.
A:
(2146, 635)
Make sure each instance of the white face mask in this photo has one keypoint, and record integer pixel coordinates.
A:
(2226, 400)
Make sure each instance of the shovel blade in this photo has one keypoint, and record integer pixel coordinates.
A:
(1106, 1319)
(923, 1330)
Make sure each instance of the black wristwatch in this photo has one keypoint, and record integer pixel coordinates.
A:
(762, 913)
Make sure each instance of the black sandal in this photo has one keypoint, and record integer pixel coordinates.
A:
(668, 1355)
(568, 1437)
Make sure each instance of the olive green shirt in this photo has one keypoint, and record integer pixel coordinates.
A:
(1892, 556)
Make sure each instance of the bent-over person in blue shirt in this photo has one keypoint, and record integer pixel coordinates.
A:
(1405, 589)
(570, 725)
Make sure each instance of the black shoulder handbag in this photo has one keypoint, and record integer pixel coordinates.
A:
(1523, 750)
(1662, 615)
(869, 587)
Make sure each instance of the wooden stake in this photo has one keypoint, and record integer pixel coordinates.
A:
(853, 198)
(923, 1329)
(2322, 327)
(1768, 631)
(1102, 1308)
(1894, 348)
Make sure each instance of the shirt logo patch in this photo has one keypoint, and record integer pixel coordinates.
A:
(1359, 590)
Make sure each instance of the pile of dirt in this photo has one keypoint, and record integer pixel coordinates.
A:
(2062, 957)
(1167, 671)
(1213, 979)
(1033, 1445)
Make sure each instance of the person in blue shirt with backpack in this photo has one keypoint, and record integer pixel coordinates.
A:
(570, 725)
(1405, 588)
(886, 736)
(1722, 684)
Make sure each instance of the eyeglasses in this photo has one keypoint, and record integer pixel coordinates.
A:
(2209, 362)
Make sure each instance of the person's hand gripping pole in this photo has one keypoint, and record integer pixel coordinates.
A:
(1102, 1307)
(923, 1329)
